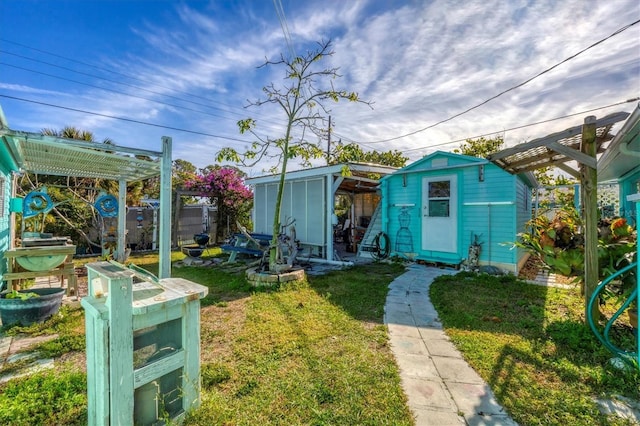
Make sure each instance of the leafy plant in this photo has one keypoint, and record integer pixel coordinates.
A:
(559, 244)
(15, 294)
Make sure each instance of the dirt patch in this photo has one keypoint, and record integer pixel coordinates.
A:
(530, 269)
(534, 267)
(219, 326)
(78, 360)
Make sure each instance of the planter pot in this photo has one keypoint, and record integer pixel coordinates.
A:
(633, 317)
(201, 239)
(32, 310)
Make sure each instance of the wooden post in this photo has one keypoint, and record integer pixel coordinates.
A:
(164, 241)
(589, 192)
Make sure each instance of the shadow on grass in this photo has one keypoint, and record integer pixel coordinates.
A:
(360, 291)
(560, 387)
(531, 345)
(493, 304)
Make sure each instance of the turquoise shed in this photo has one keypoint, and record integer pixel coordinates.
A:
(437, 207)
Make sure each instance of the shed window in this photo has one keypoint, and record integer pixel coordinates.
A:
(439, 198)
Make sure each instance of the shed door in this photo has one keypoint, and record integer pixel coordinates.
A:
(440, 214)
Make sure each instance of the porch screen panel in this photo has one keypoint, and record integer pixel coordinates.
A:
(299, 209)
(315, 213)
(285, 207)
(270, 207)
(259, 201)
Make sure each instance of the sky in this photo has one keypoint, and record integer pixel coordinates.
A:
(134, 71)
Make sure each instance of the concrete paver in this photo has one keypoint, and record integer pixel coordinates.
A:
(441, 388)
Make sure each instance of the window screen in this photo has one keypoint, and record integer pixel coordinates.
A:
(439, 198)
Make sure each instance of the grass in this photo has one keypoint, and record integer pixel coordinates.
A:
(532, 347)
(317, 353)
(313, 353)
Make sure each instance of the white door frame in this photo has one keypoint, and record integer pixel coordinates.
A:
(440, 216)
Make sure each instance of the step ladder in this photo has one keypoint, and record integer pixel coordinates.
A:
(375, 226)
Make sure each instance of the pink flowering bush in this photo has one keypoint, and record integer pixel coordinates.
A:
(226, 188)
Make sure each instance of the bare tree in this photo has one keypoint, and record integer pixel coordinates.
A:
(303, 98)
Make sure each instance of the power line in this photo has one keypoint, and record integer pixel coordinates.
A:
(130, 120)
(116, 91)
(123, 84)
(618, 31)
(525, 125)
(107, 70)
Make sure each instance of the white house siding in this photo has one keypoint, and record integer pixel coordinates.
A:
(5, 197)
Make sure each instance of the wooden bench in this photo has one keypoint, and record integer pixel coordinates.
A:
(241, 244)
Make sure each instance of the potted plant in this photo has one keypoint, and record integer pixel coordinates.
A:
(26, 307)
(558, 243)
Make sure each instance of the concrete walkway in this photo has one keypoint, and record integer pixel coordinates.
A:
(441, 387)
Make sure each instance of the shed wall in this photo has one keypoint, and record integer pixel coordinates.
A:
(492, 206)
(302, 200)
(629, 185)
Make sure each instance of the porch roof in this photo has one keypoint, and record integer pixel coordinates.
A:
(358, 181)
(623, 154)
(50, 155)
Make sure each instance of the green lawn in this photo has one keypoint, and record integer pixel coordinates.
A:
(532, 347)
(317, 353)
(314, 353)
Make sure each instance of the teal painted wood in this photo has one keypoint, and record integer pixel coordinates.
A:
(162, 367)
(164, 226)
(97, 338)
(628, 185)
(120, 349)
(157, 317)
(116, 308)
(191, 369)
(495, 207)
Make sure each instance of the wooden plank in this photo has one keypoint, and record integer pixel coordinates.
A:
(39, 251)
(156, 317)
(159, 368)
(120, 348)
(191, 343)
(570, 132)
(578, 156)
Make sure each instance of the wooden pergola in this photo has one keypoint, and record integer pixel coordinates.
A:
(574, 151)
(49, 155)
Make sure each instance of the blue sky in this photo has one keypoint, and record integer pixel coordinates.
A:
(192, 65)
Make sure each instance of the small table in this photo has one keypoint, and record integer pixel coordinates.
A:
(64, 270)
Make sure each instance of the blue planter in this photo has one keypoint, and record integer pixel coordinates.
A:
(32, 310)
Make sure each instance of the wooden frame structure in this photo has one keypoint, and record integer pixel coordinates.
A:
(49, 155)
(579, 144)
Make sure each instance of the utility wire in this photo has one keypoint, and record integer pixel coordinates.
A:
(243, 141)
(525, 125)
(130, 120)
(120, 83)
(117, 92)
(107, 70)
(618, 31)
